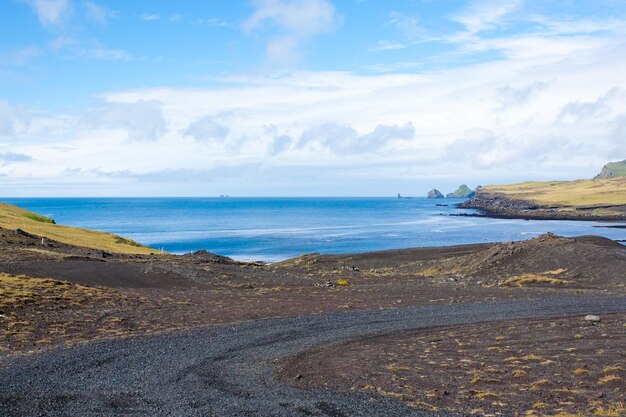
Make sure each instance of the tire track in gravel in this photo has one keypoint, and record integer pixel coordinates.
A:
(230, 370)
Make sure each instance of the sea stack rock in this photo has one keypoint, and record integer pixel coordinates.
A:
(612, 170)
(462, 192)
(434, 193)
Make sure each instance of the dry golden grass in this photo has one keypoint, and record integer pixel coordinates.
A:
(22, 289)
(12, 217)
(581, 193)
(478, 379)
(520, 281)
(615, 410)
(610, 379)
(482, 394)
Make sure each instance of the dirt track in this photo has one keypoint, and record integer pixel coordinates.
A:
(230, 371)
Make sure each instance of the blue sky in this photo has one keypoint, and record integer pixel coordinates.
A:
(306, 97)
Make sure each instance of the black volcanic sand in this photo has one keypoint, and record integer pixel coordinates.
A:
(89, 295)
(232, 370)
(518, 367)
(136, 294)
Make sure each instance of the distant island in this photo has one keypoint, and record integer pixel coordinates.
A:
(462, 192)
(601, 199)
(434, 193)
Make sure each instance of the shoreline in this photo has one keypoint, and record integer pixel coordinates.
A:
(600, 200)
(499, 206)
(484, 213)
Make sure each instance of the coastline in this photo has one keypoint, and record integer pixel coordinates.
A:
(499, 206)
(285, 228)
(541, 215)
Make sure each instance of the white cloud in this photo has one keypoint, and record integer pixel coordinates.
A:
(618, 138)
(8, 158)
(510, 96)
(96, 50)
(507, 27)
(296, 21)
(206, 128)
(600, 108)
(88, 49)
(279, 144)
(97, 13)
(407, 25)
(20, 56)
(385, 45)
(13, 120)
(344, 139)
(61, 42)
(143, 120)
(484, 150)
(150, 16)
(50, 12)
(482, 15)
(211, 21)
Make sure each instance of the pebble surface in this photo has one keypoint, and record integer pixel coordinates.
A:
(230, 370)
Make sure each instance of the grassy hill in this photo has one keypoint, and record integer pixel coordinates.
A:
(597, 199)
(613, 169)
(13, 217)
(575, 194)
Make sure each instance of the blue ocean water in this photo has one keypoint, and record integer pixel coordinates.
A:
(273, 229)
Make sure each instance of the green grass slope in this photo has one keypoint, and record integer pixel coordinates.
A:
(13, 217)
(566, 194)
(613, 169)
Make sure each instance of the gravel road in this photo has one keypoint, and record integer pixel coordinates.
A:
(229, 370)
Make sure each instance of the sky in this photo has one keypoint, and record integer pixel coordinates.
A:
(306, 97)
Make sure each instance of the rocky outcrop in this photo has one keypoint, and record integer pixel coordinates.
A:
(434, 193)
(612, 170)
(495, 205)
(462, 192)
(202, 256)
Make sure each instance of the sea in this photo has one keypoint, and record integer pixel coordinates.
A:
(274, 229)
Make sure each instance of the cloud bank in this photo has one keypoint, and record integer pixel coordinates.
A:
(547, 102)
